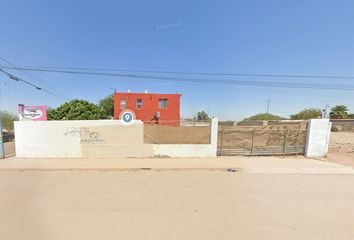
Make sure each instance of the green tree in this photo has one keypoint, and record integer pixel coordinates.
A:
(107, 105)
(202, 116)
(8, 120)
(77, 110)
(339, 112)
(351, 116)
(309, 113)
(263, 116)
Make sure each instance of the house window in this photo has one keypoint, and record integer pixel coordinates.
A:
(123, 103)
(163, 103)
(139, 103)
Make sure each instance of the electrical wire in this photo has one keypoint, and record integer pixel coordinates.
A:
(302, 85)
(13, 77)
(57, 94)
(193, 73)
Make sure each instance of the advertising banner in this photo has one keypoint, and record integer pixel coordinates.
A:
(35, 113)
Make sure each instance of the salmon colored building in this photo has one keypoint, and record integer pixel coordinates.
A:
(154, 108)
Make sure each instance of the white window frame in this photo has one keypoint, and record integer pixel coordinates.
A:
(163, 103)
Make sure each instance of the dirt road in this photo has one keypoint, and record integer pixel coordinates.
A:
(196, 204)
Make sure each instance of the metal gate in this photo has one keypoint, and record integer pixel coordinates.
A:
(261, 141)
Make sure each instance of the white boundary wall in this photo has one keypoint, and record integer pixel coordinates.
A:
(99, 139)
(76, 139)
(62, 139)
(318, 136)
(191, 150)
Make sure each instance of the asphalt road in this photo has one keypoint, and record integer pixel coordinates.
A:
(196, 204)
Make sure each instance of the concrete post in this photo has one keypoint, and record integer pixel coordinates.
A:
(214, 134)
(318, 135)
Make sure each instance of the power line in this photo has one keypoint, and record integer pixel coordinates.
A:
(203, 80)
(36, 79)
(193, 73)
(13, 77)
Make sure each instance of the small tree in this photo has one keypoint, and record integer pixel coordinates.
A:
(305, 114)
(263, 116)
(339, 112)
(202, 116)
(8, 120)
(77, 110)
(351, 116)
(107, 105)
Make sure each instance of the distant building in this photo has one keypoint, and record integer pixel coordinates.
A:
(152, 108)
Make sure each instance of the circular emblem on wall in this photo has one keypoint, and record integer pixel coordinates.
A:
(127, 117)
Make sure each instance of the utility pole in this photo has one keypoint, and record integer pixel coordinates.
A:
(115, 90)
(325, 111)
(2, 150)
(268, 105)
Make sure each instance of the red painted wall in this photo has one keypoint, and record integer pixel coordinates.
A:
(150, 105)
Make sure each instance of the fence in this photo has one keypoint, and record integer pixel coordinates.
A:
(263, 140)
(8, 136)
(180, 132)
(9, 144)
(339, 125)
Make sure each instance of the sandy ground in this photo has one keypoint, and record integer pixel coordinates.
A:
(172, 205)
(342, 142)
(305, 199)
(341, 149)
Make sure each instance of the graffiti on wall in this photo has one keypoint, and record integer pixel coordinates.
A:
(85, 134)
(90, 137)
(72, 132)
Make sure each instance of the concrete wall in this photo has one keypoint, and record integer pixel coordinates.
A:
(318, 135)
(112, 139)
(190, 150)
(76, 139)
(118, 141)
(98, 139)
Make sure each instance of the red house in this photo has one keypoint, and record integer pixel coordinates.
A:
(154, 108)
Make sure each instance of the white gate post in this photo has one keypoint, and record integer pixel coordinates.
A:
(214, 134)
(318, 135)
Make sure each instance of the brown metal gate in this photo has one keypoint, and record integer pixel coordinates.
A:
(264, 140)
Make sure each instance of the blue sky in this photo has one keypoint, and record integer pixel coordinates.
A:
(261, 37)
